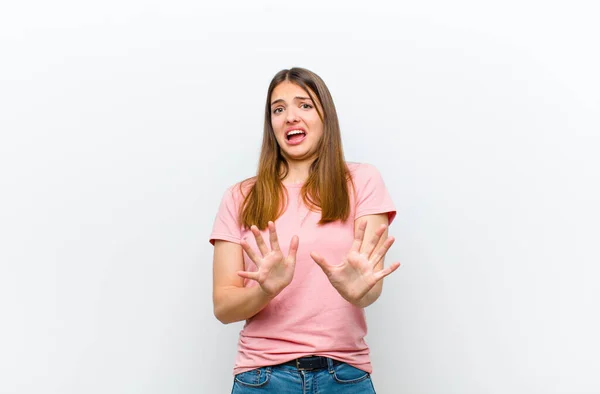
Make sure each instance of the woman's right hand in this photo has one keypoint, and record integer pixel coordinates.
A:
(275, 271)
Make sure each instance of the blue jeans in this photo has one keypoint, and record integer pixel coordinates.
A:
(286, 379)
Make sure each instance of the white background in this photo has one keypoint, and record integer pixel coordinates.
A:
(122, 123)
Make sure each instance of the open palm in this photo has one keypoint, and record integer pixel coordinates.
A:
(357, 273)
(275, 271)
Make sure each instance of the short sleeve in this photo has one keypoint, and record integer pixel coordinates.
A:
(226, 226)
(372, 196)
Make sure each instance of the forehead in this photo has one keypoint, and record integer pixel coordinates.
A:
(287, 91)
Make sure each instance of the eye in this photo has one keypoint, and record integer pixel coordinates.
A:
(277, 110)
(306, 106)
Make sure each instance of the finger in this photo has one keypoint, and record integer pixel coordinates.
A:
(374, 241)
(380, 253)
(359, 235)
(293, 249)
(248, 275)
(320, 262)
(273, 236)
(250, 252)
(385, 272)
(260, 242)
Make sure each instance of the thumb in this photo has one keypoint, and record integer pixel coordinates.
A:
(320, 261)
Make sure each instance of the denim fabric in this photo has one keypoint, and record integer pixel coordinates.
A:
(286, 379)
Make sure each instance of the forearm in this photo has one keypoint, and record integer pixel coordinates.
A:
(235, 303)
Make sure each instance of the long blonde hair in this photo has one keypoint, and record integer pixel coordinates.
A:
(327, 186)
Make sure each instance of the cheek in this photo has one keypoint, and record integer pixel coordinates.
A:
(316, 121)
(275, 128)
(276, 123)
(318, 127)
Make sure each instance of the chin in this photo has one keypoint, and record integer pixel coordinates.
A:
(300, 156)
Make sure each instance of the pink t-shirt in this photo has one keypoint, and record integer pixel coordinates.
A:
(308, 317)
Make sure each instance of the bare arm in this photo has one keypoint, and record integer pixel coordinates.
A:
(234, 302)
(231, 300)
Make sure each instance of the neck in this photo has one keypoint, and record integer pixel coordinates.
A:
(298, 171)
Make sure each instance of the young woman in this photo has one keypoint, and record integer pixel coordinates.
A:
(303, 303)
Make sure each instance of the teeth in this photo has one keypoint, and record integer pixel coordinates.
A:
(293, 132)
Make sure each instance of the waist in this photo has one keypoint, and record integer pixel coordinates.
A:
(312, 362)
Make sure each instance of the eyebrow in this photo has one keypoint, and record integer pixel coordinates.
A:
(295, 98)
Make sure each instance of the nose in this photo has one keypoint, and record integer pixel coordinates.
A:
(291, 115)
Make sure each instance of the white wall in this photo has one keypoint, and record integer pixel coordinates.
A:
(122, 123)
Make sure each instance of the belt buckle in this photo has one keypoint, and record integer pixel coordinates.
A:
(298, 365)
(301, 368)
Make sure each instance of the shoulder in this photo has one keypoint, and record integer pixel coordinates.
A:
(372, 196)
(362, 172)
(366, 179)
(238, 191)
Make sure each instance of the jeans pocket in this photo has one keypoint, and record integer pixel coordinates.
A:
(346, 373)
(254, 378)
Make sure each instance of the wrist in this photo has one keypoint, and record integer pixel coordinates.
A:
(370, 297)
(361, 302)
(265, 294)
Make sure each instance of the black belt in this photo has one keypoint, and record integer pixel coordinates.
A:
(313, 362)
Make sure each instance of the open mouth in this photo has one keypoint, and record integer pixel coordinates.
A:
(295, 135)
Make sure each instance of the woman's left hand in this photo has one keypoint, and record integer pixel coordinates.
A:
(356, 274)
